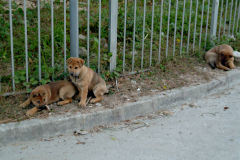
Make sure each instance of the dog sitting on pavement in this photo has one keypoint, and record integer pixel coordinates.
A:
(221, 57)
(86, 80)
(50, 93)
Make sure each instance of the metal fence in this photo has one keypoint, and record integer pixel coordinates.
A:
(175, 27)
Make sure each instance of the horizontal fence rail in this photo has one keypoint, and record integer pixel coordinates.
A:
(117, 36)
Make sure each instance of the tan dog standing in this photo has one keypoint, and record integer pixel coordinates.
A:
(86, 80)
(50, 93)
(221, 57)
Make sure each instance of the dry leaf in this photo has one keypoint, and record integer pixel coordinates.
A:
(225, 108)
(167, 113)
(79, 142)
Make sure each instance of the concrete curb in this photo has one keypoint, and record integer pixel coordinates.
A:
(58, 125)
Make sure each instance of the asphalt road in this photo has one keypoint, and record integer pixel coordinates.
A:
(207, 129)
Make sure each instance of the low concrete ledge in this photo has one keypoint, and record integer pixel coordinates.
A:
(58, 125)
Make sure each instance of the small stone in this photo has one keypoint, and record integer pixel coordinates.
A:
(80, 132)
(98, 104)
(134, 82)
(192, 105)
(82, 37)
(135, 52)
(82, 52)
(104, 43)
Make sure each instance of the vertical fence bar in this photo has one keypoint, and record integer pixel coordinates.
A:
(65, 41)
(26, 40)
(238, 17)
(99, 36)
(160, 34)
(39, 42)
(175, 28)
(235, 11)
(195, 25)
(200, 35)
(207, 25)
(52, 26)
(112, 33)
(169, 8)
(214, 17)
(220, 22)
(124, 41)
(11, 41)
(74, 33)
(134, 27)
(229, 27)
(88, 30)
(189, 26)
(151, 34)
(143, 36)
(184, 2)
(225, 19)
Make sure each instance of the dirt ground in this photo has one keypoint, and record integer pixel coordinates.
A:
(126, 89)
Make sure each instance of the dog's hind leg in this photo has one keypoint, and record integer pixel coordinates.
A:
(66, 101)
(66, 93)
(98, 92)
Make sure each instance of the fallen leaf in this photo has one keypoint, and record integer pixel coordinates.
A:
(24, 147)
(114, 139)
(167, 113)
(225, 108)
(80, 132)
(79, 142)
(192, 105)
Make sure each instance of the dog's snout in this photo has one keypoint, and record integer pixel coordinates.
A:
(71, 74)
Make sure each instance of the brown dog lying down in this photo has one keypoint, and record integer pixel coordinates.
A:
(221, 57)
(50, 93)
(86, 80)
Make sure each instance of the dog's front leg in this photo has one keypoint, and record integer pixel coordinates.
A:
(84, 94)
(220, 66)
(26, 103)
(231, 64)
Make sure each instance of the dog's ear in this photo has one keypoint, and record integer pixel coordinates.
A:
(69, 60)
(223, 53)
(80, 62)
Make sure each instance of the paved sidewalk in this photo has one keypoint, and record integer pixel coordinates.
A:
(198, 130)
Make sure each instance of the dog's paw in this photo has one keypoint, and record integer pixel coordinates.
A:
(61, 103)
(22, 105)
(92, 101)
(32, 111)
(82, 104)
(227, 69)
